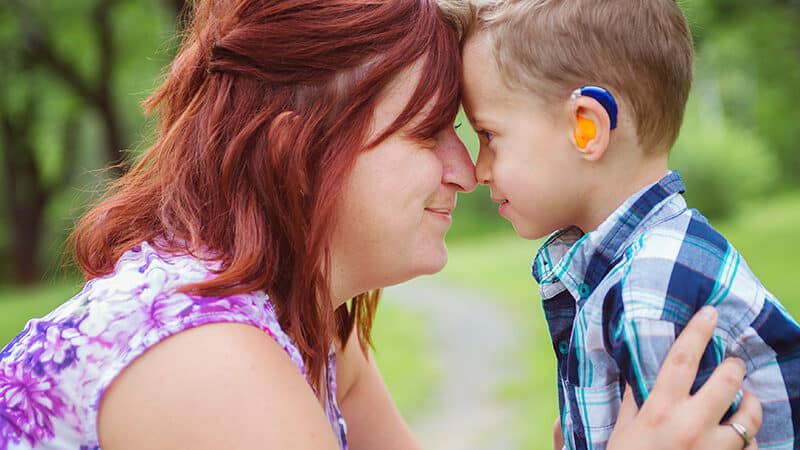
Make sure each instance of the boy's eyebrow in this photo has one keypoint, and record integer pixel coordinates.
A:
(479, 122)
(476, 118)
(470, 114)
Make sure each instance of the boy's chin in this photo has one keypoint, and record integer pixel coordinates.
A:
(530, 233)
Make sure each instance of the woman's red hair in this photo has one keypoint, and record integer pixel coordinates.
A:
(261, 117)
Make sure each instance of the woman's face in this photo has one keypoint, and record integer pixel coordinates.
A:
(397, 204)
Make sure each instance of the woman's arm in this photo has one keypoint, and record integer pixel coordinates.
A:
(373, 420)
(671, 418)
(215, 386)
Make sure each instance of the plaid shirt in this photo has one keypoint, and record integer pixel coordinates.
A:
(616, 298)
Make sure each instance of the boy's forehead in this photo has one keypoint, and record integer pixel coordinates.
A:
(477, 53)
(482, 85)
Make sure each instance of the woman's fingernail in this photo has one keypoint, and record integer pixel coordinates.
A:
(709, 313)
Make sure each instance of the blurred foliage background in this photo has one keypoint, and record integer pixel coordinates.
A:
(73, 74)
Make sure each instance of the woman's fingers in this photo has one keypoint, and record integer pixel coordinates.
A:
(725, 437)
(720, 390)
(749, 413)
(558, 438)
(680, 366)
(748, 416)
(672, 418)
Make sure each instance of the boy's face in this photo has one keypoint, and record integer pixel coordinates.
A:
(526, 155)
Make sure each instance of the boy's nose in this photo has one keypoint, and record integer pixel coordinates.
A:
(458, 167)
(483, 166)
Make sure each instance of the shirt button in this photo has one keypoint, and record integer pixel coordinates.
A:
(563, 347)
(583, 290)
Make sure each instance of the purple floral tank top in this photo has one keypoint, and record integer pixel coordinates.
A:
(54, 373)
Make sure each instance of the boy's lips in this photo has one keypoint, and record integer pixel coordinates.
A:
(501, 209)
(499, 200)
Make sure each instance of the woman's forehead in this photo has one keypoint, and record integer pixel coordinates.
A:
(397, 95)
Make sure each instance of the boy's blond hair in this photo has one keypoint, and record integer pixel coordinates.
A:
(640, 50)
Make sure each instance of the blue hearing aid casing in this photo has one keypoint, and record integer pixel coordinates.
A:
(604, 98)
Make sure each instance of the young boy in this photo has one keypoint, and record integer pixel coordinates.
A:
(577, 104)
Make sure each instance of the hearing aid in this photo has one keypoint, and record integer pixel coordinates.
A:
(586, 130)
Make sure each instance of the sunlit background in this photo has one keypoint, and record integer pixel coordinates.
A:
(466, 352)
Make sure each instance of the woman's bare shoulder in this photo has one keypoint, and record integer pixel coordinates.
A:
(225, 385)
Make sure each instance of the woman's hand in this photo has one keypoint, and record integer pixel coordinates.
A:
(558, 437)
(671, 418)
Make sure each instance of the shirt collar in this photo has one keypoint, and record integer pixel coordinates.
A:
(580, 260)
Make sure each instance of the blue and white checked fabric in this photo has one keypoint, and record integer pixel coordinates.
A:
(616, 298)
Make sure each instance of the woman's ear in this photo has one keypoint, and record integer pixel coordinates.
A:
(591, 131)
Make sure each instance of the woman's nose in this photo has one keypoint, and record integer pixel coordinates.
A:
(458, 167)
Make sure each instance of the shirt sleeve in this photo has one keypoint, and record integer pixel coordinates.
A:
(640, 345)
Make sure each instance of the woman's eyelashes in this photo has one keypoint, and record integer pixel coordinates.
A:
(426, 142)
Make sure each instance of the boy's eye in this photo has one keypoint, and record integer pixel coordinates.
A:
(485, 135)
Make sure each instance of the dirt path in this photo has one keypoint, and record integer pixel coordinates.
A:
(473, 342)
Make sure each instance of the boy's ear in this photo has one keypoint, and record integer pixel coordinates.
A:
(591, 128)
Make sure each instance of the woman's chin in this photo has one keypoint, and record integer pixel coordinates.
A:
(426, 261)
(430, 262)
(435, 261)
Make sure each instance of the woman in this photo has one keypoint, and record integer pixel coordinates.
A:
(305, 158)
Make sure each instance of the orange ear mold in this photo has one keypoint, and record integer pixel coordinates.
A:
(585, 131)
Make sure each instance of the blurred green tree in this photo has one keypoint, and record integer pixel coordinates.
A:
(65, 107)
(752, 52)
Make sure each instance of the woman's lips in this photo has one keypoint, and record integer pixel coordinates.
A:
(441, 213)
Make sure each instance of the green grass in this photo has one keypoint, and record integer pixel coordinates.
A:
(500, 265)
(401, 351)
(765, 233)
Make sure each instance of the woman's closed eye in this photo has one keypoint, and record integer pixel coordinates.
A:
(427, 142)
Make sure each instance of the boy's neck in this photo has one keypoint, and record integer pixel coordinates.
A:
(615, 181)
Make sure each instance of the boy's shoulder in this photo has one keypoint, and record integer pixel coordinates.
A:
(683, 239)
(678, 265)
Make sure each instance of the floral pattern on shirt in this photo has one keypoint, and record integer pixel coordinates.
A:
(53, 374)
